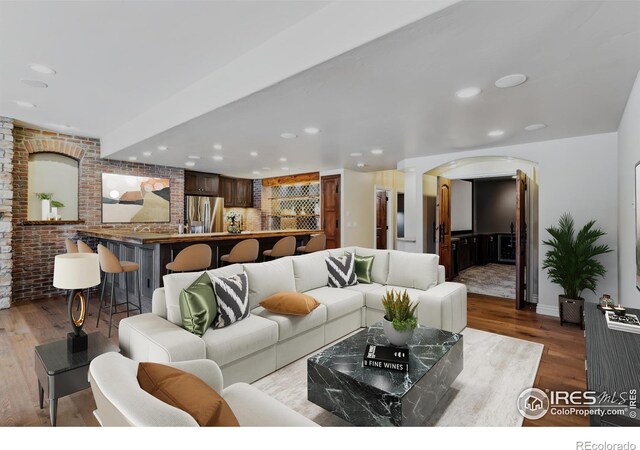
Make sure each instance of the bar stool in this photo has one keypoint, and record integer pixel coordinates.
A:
(243, 252)
(284, 247)
(315, 244)
(84, 248)
(190, 259)
(111, 265)
(70, 246)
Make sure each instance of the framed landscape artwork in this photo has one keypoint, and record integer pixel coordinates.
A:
(131, 199)
(637, 226)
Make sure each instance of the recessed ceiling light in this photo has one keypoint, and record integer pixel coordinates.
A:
(218, 158)
(284, 168)
(360, 164)
(59, 125)
(189, 164)
(217, 146)
(283, 159)
(512, 80)
(311, 130)
(133, 158)
(288, 135)
(146, 153)
(495, 133)
(162, 147)
(266, 168)
(453, 163)
(41, 68)
(355, 154)
(256, 172)
(377, 151)
(254, 153)
(193, 157)
(535, 126)
(24, 104)
(468, 92)
(411, 169)
(34, 83)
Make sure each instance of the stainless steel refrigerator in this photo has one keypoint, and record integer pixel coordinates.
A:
(204, 214)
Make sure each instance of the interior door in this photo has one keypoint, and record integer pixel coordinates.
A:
(381, 219)
(521, 239)
(443, 219)
(330, 206)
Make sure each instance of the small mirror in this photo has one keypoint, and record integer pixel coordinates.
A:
(400, 215)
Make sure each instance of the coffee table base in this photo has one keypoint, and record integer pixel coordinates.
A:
(364, 405)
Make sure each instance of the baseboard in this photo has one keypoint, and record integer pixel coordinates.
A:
(547, 310)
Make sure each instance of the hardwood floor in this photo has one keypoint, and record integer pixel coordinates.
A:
(28, 324)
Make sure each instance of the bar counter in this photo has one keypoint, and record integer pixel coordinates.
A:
(153, 251)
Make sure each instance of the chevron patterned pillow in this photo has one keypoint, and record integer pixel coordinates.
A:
(232, 294)
(342, 271)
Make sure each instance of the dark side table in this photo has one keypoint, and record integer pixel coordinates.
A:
(62, 373)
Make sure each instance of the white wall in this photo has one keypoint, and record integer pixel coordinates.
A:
(358, 209)
(574, 175)
(628, 157)
(462, 205)
(57, 174)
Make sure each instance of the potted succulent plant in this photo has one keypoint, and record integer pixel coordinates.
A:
(399, 317)
(571, 263)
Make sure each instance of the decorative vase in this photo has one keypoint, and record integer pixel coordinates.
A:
(46, 209)
(54, 213)
(397, 338)
(233, 228)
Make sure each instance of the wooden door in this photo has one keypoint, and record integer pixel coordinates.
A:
(521, 239)
(330, 207)
(227, 191)
(443, 219)
(381, 219)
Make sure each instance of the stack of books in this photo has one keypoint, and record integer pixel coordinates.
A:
(389, 358)
(628, 322)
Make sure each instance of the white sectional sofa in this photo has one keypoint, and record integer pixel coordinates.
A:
(264, 341)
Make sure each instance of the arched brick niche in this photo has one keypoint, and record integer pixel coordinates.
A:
(50, 146)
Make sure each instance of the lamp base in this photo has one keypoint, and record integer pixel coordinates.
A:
(77, 343)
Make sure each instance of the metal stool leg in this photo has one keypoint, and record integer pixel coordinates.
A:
(113, 294)
(126, 290)
(139, 289)
(104, 284)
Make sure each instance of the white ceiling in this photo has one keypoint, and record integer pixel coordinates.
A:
(397, 92)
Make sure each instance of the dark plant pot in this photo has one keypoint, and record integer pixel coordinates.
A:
(571, 310)
(397, 338)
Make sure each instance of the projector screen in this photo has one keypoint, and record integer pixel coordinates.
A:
(461, 205)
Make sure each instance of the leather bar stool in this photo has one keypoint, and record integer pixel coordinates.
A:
(243, 252)
(70, 246)
(84, 248)
(111, 265)
(316, 243)
(284, 247)
(193, 258)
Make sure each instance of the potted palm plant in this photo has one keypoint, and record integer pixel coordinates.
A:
(571, 263)
(399, 317)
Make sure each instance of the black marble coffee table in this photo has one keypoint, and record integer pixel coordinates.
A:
(367, 396)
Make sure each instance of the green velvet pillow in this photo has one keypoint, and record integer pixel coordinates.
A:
(363, 268)
(198, 306)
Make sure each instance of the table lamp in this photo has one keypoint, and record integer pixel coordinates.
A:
(76, 271)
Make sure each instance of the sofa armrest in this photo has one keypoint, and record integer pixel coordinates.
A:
(159, 303)
(205, 369)
(147, 337)
(442, 277)
(444, 306)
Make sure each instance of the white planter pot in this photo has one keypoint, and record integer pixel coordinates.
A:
(54, 213)
(46, 209)
(398, 338)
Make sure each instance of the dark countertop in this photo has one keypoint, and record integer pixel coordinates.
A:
(166, 238)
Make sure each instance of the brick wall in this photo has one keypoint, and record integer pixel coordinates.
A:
(34, 246)
(6, 196)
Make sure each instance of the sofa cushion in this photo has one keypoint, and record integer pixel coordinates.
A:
(187, 392)
(380, 267)
(364, 287)
(289, 326)
(174, 283)
(413, 270)
(198, 306)
(290, 303)
(232, 296)
(373, 299)
(342, 270)
(310, 271)
(267, 278)
(341, 251)
(339, 302)
(240, 339)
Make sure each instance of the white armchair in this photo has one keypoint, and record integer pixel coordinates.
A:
(121, 401)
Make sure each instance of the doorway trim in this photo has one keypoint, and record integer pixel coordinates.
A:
(391, 211)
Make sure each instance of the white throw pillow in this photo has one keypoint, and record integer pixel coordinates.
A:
(413, 270)
(310, 271)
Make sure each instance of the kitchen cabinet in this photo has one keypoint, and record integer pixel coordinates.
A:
(237, 192)
(467, 249)
(200, 183)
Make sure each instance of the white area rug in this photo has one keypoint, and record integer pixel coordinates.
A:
(496, 370)
(497, 280)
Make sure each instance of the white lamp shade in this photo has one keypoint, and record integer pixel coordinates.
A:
(76, 271)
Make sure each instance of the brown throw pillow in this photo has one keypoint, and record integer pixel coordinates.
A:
(291, 303)
(187, 392)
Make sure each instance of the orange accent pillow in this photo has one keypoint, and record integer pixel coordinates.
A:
(291, 303)
(187, 392)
